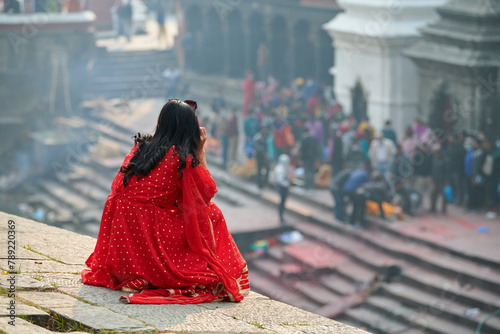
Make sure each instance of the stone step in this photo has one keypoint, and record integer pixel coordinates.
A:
(124, 90)
(376, 322)
(309, 290)
(444, 305)
(279, 291)
(138, 75)
(388, 250)
(356, 273)
(106, 166)
(90, 190)
(349, 246)
(87, 174)
(66, 196)
(63, 215)
(434, 283)
(421, 319)
(315, 256)
(104, 128)
(268, 266)
(276, 253)
(438, 261)
(350, 322)
(401, 235)
(317, 293)
(338, 284)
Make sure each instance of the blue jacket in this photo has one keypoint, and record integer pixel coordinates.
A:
(356, 179)
(468, 162)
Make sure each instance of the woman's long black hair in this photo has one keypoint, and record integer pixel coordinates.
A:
(177, 126)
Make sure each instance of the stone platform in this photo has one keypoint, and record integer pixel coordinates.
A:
(46, 276)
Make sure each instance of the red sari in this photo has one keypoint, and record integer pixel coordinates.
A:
(167, 232)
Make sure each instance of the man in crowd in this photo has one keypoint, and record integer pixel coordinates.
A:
(422, 162)
(440, 172)
(261, 156)
(310, 154)
(356, 179)
(381, 154)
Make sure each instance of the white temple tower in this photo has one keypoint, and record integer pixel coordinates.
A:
(372, 75)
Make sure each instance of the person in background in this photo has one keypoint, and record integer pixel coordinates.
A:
(310, 154)
(248, 92)
(261, 156)
(171, 77)
(354, 155)
(125, 19)
(337, 156)
(12, 7)
(160, 19)
(356, 179)
(401, 166)
(440, 177)
(232, 135)
(375, 190)
(218, 100)
(315, 127)
(409, 142)
(381, 154)
(495, 176)
(338, 194)
(365, 124)
(469, 153)
(455, 153)
(222, 134)
(389, 132)
(422, 162)
(407, 198)
(283, 176)
(250, 128)
(478, 180)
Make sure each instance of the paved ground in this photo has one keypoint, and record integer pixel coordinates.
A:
(47, 261)
(142, 42)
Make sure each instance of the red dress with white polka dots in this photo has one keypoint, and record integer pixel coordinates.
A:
(166, 231)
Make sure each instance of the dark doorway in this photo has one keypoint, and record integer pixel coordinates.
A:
(192, 40)
(303, 51)
(212, 55)
(257, 36)
(443, 117)
(235, 45)
(359, 105)
(326, 58)
(279, 50)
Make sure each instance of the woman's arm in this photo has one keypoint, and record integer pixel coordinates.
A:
(201, 148)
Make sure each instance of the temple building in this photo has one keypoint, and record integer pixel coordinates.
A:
(373, 77)
(458, 65)
(280, 37)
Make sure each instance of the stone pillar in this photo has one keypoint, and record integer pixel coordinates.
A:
(369, 40)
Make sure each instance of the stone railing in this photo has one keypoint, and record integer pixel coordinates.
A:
(41, 286)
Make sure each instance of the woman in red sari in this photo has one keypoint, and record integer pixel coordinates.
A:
(161, 238)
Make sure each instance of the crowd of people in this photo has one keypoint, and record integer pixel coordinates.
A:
(304, 129)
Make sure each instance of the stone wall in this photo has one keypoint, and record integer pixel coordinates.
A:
(32, 46)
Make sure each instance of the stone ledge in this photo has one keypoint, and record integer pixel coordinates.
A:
(48, 261)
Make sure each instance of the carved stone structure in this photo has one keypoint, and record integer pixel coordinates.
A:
(373, 77)
(43, 66)
(224, 36)
(458, 62)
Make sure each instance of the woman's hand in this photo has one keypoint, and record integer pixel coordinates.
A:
(201, 147)
(203, 140)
